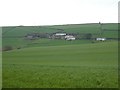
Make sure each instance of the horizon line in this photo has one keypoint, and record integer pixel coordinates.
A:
(57, 24)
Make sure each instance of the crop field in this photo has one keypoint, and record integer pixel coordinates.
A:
(76, 66)
(52, 63)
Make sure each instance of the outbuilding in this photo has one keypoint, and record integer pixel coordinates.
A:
(69, 37)
(100, 39)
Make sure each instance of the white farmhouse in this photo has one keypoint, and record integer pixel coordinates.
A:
(69, 37)
(60, 34)
(100, 39)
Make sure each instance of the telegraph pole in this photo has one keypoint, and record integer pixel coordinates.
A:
(101, 30)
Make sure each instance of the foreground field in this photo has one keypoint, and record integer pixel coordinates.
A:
(77, 66)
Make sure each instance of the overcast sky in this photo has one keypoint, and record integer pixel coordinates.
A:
(55, 12)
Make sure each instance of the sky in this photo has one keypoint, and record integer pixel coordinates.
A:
(57, 12)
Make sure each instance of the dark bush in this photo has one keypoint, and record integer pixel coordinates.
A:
(18, 47)
(88, 36)
(7, 48)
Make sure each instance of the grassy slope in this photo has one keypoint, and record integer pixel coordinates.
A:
(14, 36)
(60, 64)
(80, 28)
(84, 65)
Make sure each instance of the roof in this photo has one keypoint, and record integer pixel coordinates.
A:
(60, 34)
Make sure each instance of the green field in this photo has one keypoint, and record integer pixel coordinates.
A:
(14, 35)
(46, 63)
(85, 65)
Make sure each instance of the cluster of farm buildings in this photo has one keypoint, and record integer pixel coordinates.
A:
(63, 36)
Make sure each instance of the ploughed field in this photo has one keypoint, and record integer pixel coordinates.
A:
(92, 65)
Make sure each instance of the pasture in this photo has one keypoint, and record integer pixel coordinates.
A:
(14, 35)
(65, 66)
(52, 63)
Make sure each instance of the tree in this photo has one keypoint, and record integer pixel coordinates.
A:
(88, 36)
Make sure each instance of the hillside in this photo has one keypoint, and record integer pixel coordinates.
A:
(58, 63)
(75, 66)
(79, 28)
(14, 35)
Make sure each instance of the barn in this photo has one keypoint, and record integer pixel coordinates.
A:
(69, 37)
(100, 39)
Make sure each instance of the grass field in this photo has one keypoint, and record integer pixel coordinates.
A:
(77, 66)
(47, 63)
(14, 35)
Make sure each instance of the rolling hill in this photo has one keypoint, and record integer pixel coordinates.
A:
(14, 35)
(65, 66)
(52, 63)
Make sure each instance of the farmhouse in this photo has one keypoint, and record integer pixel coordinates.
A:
(100, 39)
(69, 37)
(29, 37)
(32, 36)
(58, 35)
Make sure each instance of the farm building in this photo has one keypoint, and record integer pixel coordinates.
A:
(59, 36)
(69, 37)
(29, 37)
(63, 36)
(32, 36)
(100, 39)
